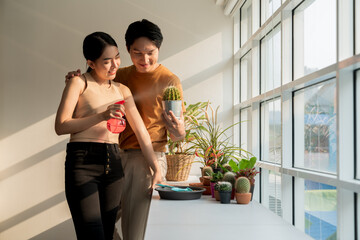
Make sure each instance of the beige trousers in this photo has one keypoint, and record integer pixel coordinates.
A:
(136, 194)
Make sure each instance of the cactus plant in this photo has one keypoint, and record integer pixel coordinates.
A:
(225, 187)
(227, 167)
(207, 171)
(217, 186)
(242, 185)
(171, 93)
(229, 177)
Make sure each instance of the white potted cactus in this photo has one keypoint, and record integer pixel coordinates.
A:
(172, 100)
(242, 190)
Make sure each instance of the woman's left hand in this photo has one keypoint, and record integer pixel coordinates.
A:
(157, 178)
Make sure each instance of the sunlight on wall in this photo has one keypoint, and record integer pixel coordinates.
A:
(32, 139)
(32, 179)
(197, 58)
(31, 227)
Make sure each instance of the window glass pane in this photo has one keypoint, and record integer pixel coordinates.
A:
(315, 127)
(245, 128)
(271, 187)
(357, 105)
(314, 36)
(357, 27)
(268, 7)
(245, 77)
(271, 131)
(271, 60)
(245, 22)
(358, 215)
(316, 209)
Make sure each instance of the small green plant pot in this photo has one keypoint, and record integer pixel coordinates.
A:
(225, 197)
(174, 105)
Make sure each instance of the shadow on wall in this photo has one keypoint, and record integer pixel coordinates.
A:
(62, 231)
(34, 159)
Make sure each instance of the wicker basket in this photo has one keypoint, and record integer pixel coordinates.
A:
(178, 167)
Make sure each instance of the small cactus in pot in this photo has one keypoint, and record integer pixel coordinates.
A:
(172, 100)
(229, 177)
(225, 189)
(242, 189)
(206, 175)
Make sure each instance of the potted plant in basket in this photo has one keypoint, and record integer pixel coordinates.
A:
(225, 189)
(172, 100)
(242, 189)
(180, 156)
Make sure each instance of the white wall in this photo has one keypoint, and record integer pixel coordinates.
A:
(40, 41)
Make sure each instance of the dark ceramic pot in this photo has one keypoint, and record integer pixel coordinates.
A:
(225, 197)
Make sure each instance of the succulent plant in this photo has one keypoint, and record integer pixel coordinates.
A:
(242, 185)
(207, 171)
(224, 186)
(229, 177)
(215, 177)
(171, 93)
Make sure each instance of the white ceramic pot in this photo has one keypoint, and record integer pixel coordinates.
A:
(174, 106)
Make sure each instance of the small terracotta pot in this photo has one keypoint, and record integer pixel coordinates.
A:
(206, 180)
(243, 198)
(217, 195)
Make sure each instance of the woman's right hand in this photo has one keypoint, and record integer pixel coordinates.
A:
(114, 111)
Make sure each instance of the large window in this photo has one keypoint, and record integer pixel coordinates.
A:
(297, 61)
(245, 22)
(271, 131)
(314, 36)
(315, 127)
(316, 211)
(271, 60)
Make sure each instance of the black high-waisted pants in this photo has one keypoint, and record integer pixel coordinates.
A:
(93, 173)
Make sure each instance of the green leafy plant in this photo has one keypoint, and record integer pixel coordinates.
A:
(245, 168)
(193, 118)
(216, 177)
(211, 143)
(242, 185)
(171, 93)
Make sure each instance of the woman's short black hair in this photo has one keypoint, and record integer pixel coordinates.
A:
(95, 43)
(143, 28)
